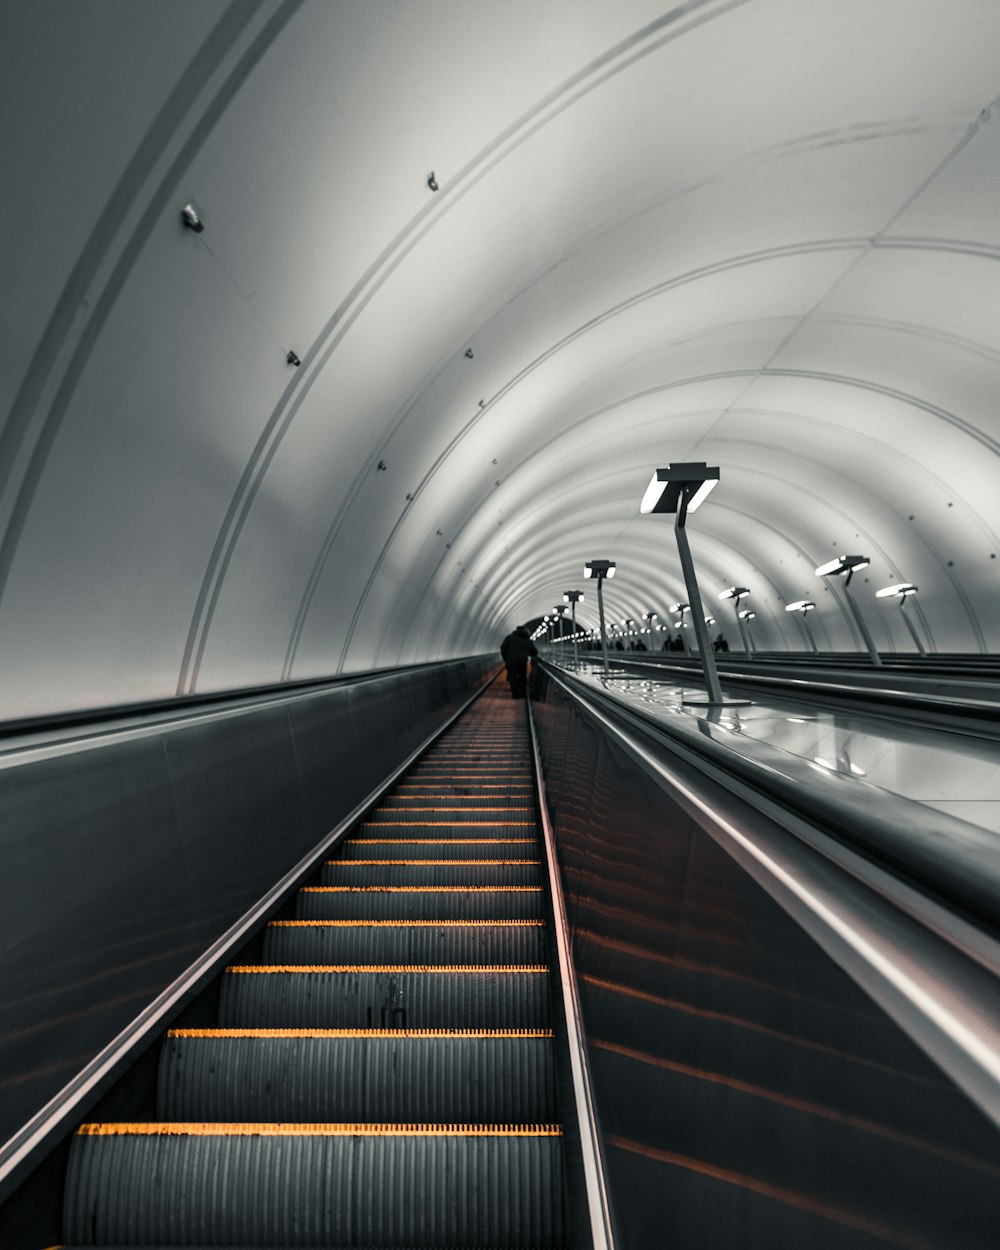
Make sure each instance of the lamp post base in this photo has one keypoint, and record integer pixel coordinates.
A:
(702, 701)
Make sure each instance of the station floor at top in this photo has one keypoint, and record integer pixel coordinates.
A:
(950, 772)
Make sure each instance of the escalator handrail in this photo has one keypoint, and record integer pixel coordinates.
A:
(950, 857)
(593, 1162)
(945, 1000)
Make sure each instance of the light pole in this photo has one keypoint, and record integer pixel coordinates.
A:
(804, 607)
(904, 592)
(601, 569)
(737, 593)
(680, 489)
(679, 609)
(560, 611)
(746, 616)
(573, 597)
(845, 566)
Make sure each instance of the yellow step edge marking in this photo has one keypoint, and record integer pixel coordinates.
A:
(319, 1130)
(434, 968)
(405, 924)
(437, 1034)
(434, 863)
(421, 889)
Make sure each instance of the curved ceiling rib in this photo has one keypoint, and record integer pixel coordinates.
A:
(762, 234)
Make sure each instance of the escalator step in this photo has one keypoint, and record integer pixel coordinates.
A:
(405, 825)
(401, 996)
(407, 941)
(310, 1185)
(428, 902)
(430, 871)
(467, 789)
(483, 847)
(214, 1074)
(438, 798)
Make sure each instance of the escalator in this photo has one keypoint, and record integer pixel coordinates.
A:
(386, 1075)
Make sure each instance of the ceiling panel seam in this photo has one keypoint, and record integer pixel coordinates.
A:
(215, 53)
(616, 310)
(595, 74)
(911, 400)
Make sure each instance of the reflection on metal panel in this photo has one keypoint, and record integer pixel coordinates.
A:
(748, 1091)
(124, 860)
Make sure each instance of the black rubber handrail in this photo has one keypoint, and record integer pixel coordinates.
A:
(210, 700)
(949, 857)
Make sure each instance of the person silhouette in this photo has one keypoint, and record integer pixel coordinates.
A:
(516, 650)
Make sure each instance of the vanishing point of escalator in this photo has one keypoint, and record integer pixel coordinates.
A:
(385, 1076)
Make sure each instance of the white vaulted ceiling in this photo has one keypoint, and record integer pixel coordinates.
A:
(761, 233)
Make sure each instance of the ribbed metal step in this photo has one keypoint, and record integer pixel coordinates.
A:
(309, 1186)
(418, 801)
(467, 787)
(402, 997)
(432, 871)
(388, 902)
(365, 1077)
(413, 825)
(411, 941)
(390, 846)
(445, 811)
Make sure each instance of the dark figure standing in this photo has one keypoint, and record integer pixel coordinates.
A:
(517, 649)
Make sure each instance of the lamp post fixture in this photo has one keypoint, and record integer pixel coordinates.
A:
(679, 609)
(559, 612)
(904, 592)
(804, 607)
(746, 616)
(845, 566)
(680, 488)
(573, 597)
(738, 593)
(600, 569)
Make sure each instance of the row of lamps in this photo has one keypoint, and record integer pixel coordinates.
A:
(679, 490)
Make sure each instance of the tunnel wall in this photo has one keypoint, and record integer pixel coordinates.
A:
(747, 1091)
(126, 852)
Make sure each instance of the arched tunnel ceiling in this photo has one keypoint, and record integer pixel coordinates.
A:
(761, 233)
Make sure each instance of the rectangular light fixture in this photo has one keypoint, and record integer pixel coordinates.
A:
(800, 605)
(663, 494)
(599, 568)
(903, 588)
(842, 564)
